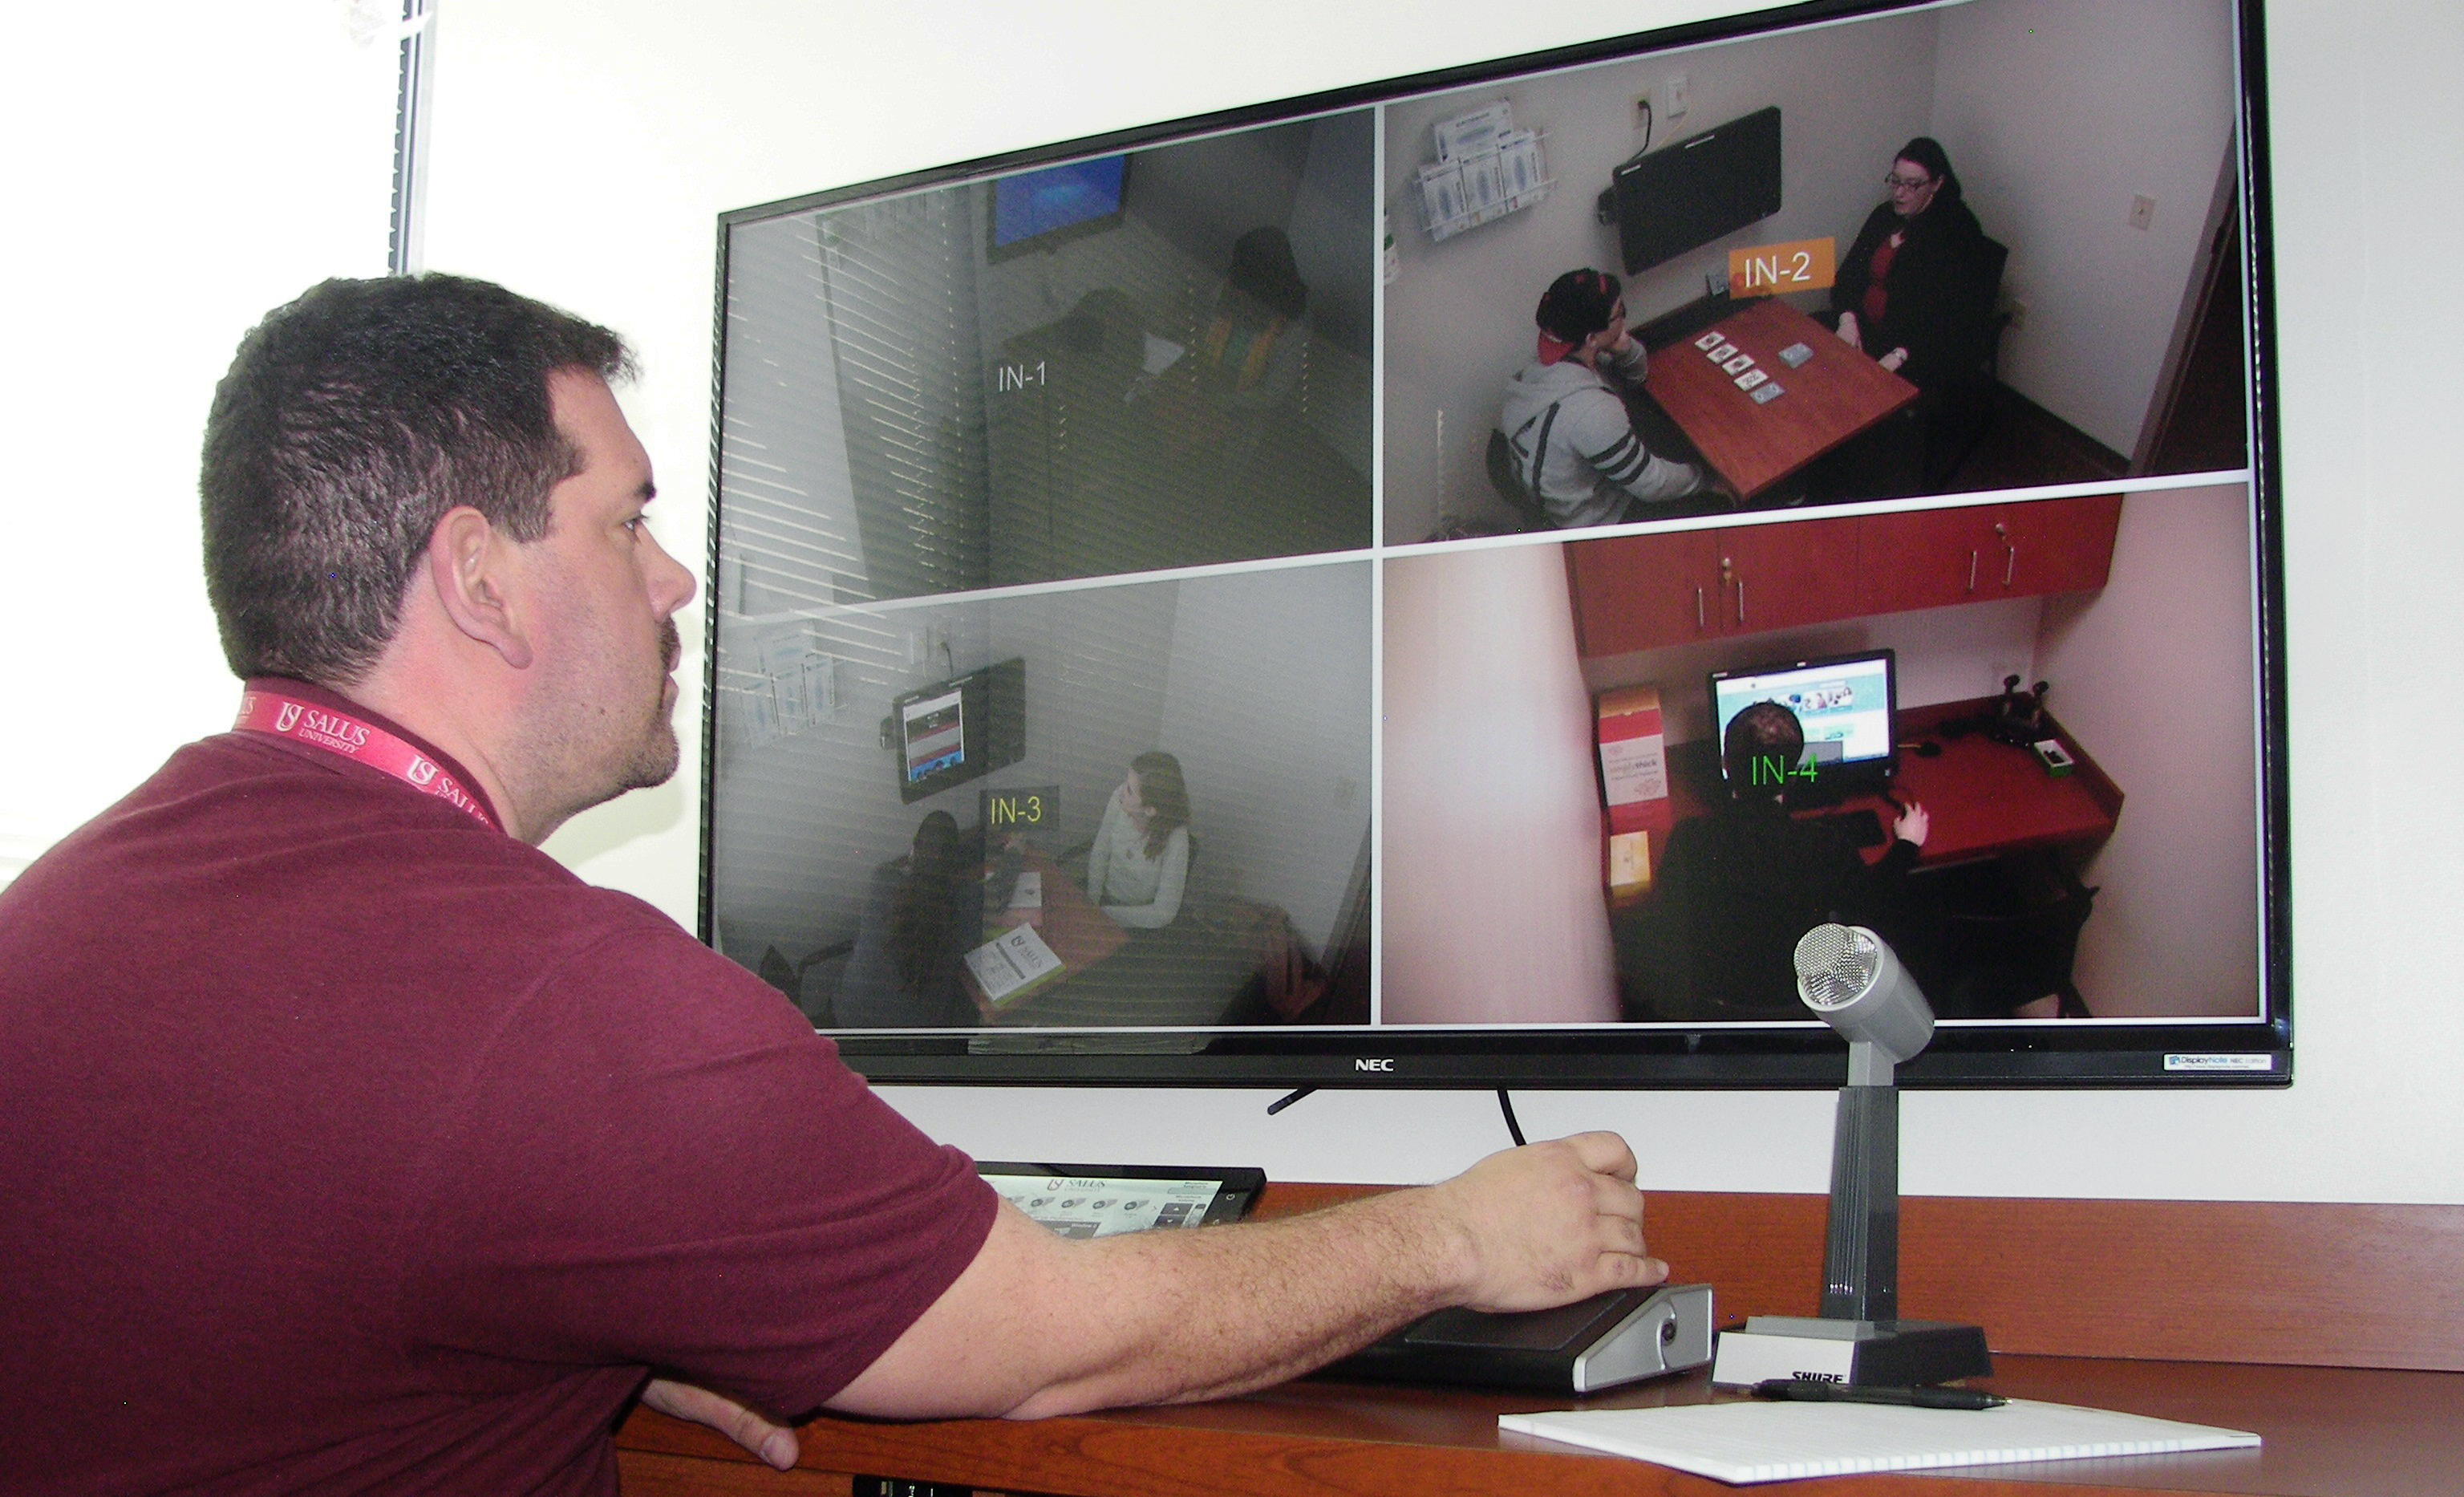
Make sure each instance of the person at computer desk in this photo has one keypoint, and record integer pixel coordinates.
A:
(920, 916)
(1139, 863)
(1576, 450)
(1916, 289)
(1738, 888)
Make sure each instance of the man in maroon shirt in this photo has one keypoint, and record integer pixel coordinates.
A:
(353, 1144)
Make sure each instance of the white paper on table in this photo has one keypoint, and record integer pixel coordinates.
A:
(1757, 1442)
(1010, 962)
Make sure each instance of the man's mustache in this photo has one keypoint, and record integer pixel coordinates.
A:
(672, 644)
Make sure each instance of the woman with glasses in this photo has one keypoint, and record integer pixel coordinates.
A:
(1916, 291)
(1908, 291)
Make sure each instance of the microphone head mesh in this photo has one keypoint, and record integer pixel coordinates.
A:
(1836, 964)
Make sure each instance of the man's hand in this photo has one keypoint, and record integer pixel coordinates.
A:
(1847, 330)
(1549, 1223)
(1913, 824)
(1893, 359)
(774, 1443)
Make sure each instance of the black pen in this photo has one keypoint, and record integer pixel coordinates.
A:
(1808, 1391)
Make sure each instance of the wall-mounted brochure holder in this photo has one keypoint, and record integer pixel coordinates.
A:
(1486, 169)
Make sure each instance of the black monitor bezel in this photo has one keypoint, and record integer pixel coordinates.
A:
(2089, 1055)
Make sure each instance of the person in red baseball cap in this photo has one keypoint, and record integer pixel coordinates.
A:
(1575, 447)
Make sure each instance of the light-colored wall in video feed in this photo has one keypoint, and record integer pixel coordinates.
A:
(2146, 107)
(1491, 854)
(2175, 930)
(1267, 703)
(1458, 313)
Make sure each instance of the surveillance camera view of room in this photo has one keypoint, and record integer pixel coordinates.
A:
(1985, 246)
(1138, 805)
(1127, 364)
(1623, 776)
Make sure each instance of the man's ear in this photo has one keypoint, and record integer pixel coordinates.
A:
(469, 565)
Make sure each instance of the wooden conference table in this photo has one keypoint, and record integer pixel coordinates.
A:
(1836, 394)
(2335, 1332)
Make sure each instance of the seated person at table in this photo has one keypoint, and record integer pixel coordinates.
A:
(920, 917)
(1139, 863)
(1251, 356)
(1737, 888)
(1916, 291)
(1576, 450)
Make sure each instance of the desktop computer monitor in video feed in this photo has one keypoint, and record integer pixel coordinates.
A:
(1344, 764)
(1845, 705)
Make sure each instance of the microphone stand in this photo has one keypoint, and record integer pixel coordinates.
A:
(1859, 1338)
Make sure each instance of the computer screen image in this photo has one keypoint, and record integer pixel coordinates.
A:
(1315, 722)
(1844, 707)
(959, 730)
(1034, 209)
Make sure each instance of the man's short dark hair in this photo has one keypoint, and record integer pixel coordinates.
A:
(1764, 730)
(351, 421)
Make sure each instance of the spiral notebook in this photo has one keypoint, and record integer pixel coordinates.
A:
(1744, 1443)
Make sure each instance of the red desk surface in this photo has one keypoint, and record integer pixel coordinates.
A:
(1838, 393)
(1985, 799)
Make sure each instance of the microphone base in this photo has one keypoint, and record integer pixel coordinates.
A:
(1883, 1354)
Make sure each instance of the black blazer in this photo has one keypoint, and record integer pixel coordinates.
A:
(1942, 284)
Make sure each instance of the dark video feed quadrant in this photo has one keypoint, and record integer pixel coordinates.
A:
(1154, 360)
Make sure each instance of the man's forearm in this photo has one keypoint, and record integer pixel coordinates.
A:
(1039, 1325)
(1208, 1314)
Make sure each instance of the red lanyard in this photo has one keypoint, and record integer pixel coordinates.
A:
(263, 711)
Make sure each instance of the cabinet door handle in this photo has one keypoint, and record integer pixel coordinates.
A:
(1699, 622)
(1741, 600)
(1971, 571)
(2010, 561)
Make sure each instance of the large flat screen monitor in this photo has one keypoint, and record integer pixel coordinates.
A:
(1369, 742)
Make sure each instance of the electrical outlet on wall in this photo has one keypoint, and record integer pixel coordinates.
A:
(1675, 93)
(2143, 211)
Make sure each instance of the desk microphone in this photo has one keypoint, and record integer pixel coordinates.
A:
(1854, 981)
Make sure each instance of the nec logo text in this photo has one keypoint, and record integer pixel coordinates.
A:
(1382, 1062)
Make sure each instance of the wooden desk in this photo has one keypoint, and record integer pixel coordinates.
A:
(1984, 798)
(1838, 393)
(1074, 926)
(2083, 1300)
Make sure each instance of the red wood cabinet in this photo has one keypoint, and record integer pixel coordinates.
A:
(1641, 592)
(1929, 559)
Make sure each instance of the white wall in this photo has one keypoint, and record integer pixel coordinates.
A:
(169, 177)
(583, 153)
(1491, 844)
(2145, 106)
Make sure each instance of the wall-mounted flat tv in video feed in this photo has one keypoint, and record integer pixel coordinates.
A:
(1379, 636)
(1700, 189)
(954, 730)
(1039, 210)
